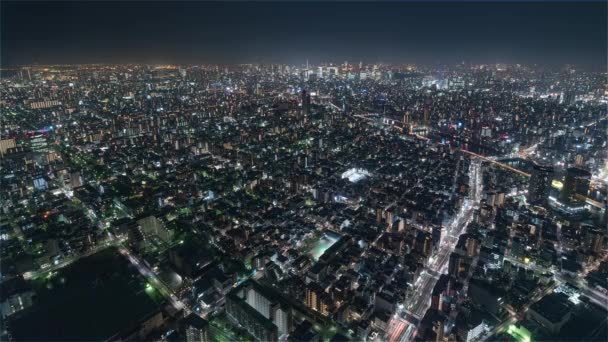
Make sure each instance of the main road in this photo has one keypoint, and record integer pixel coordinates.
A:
(404, 330)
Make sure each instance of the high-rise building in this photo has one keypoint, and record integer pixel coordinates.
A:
(569, 97)
(260, 311)
(183, 72)
(196, 328)
(305, 103)
(6, 144)
(594, 239)
(317, 299)
(540, 184)
(312, 298)
(426, 117)
(456, 265)
(576, 183)
(240, 312)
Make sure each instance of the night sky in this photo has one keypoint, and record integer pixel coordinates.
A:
(272, 32)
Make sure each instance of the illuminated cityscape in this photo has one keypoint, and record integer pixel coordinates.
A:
(331, 193)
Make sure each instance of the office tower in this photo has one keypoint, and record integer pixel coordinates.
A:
(440, 289)
(472, 246)
(238, 311)
(456, 265)
(576, 185)
(6, 144)
(311, 297)
(196, 328)
(540, 184)
(317, 299)
(305, 103)
(569, 97)
(406, 118)
(426, 116)
(594, 239)
(260, 311)
(438, 328)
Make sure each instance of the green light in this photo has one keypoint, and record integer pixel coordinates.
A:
(520, 334)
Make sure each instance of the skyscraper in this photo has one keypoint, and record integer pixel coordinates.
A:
(576, 183)
(196, 328)
(260, 311)
(540, 184)
(305, 103)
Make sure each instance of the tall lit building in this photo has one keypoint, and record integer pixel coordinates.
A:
(576, 183)
(6, 144)
(456, 265)
(317, 299)
(540, 184)
(260, 311)
(426, 117)
(305, 103)
(312, 298)
(196, 328)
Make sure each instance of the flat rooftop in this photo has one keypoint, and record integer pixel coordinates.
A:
(320, 246)
(354, 175)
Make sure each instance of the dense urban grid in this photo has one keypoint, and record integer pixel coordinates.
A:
(335, 202)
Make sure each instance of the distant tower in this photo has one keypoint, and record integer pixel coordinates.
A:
(305, 103)
(406, 118)
(426, 116)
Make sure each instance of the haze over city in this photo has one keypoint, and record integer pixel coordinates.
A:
(49, 32)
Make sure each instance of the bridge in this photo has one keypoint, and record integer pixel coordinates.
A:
(503, 165)
(332, 105)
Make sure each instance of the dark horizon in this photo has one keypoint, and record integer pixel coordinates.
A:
(545, 33)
